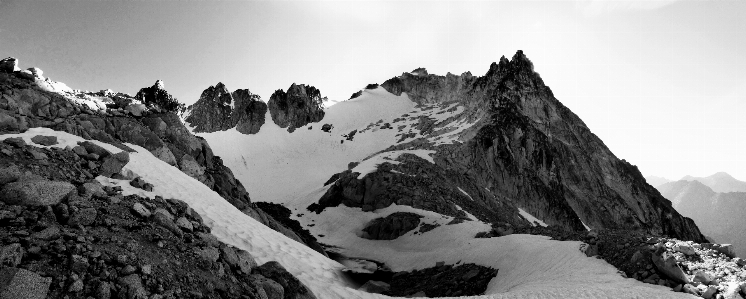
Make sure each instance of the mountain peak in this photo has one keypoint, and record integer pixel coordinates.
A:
(159, 85)
(722, 175)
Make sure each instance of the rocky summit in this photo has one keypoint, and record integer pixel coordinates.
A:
(299, 106)
(218, 110)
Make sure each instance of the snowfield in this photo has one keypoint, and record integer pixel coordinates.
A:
(529, 266)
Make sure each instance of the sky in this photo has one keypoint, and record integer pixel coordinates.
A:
(662, 83)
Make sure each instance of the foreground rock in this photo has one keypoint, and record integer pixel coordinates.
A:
(96, 243)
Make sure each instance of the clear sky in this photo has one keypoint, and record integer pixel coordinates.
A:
(662, 83)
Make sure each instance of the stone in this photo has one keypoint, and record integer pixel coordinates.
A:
(103, 290)
(709, 292)
(9, 65)
(146, 269)
(15, 141)
(375, 287)
(128, 269)
(93, 148)
(702, 277)
(208, 253)
(114, 163)
(26, 74)
(132, 286)
(93, 188)
(666, 264)
(470, 275)
(36, 193)
(271, 288)
(246, 262)
(83, 217)
(49, 233)
(44, 140)
(690, 289)
(78, 264)
(80, 151)
(164, 221)
(184, 224)
(11, 255)
(684, 248)
(76, 286)
(8, 123)
(392, 226)
(209, 239)
(292, 286)
(140, 210)
(21, 283)
(9, 174)
(228, 254)
(726, 249)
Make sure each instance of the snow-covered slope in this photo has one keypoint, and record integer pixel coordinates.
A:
(530, 266)
(278, 166)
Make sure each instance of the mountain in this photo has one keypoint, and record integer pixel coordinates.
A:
(718, 214)
(501, 138)
(656, 181)
(719, 182)
(425, 185)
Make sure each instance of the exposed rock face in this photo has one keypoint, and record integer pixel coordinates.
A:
(299, 106)
(392, 226)
(219, 110)
(212, 112)
(249, 111)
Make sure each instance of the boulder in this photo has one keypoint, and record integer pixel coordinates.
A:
(684, 248)
(666, 264)
(26, 74)
(15, 141)
(36, 193)
(184, 224)
(246, 262)
(376, 287)
(44, 140)
(8, 123)
(11, 255)
(702, 277)
(83, 217)
(163, 220)
(114, 163)
(290, 284)
(9, 65)
(391, 226)
(271, 288)
(726, 249)
(21, 283)
(208, 253)
(9, 173)
(141, 210)
(132, 287)
(93, 148)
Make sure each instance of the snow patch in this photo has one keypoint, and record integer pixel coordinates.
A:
(534, 221)
(464, 192)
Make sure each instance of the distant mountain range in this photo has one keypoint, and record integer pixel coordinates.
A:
(716, 203)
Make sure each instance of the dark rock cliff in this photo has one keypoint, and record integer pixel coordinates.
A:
(299, 106)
